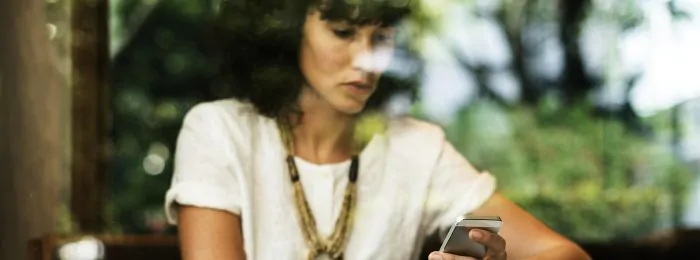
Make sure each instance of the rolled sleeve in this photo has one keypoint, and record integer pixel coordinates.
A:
(456, 188)
(199, 195)
(202, 174)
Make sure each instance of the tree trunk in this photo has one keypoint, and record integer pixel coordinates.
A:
(677, 148)
(575, 82)
(512, 25)
(30, 113)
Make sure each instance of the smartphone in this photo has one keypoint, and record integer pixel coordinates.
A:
(457, 241)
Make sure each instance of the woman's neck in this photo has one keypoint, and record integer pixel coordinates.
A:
(323, 134)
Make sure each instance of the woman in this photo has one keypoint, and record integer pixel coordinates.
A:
(280, 171)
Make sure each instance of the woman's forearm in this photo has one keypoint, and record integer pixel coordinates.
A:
(565, 251)
(210, 234)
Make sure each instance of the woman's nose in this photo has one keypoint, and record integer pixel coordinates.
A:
(372, 59)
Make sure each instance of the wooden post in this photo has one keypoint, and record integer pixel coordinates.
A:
(30, 127)
(90, 57)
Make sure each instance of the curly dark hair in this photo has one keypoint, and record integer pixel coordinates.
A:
(261, 40)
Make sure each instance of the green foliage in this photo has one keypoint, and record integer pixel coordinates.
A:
(66, 224)
(163, 70)
(586, 177)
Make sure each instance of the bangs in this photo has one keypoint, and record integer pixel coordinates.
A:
(364, 12)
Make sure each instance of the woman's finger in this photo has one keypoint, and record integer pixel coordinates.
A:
(446, 256)
(493, 242)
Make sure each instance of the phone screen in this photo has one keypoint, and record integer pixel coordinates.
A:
(458, 242)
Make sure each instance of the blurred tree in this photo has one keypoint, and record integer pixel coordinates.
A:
(513, 16)
(574, 85)
(575, 82)
(584, 176)
(164, 66)
(572, 164)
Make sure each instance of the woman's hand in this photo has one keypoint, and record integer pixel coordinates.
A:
(495, 247)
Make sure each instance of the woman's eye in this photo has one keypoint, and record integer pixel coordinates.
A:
(383, 38)
(344, 33)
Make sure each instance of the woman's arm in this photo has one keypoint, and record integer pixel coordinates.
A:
(525, 236)
(209, 234)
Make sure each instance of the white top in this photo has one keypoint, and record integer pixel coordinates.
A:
(411, 182)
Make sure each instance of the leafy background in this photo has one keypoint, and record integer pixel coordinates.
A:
(592, 170)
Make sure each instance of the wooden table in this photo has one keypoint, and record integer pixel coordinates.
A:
(132, 247)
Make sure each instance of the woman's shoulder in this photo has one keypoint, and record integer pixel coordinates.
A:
(415, 140)
(410, 128)
(224, 119)
(223, 108)
(227, 111)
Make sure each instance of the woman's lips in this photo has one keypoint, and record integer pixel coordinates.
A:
(359, 88)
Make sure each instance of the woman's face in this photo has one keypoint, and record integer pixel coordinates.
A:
(342, 62)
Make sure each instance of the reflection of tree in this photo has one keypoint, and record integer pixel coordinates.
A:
(162, 70)
(585, 176)
(512, 20)
(625, 155)
(560, 149)
(575, 83)
(30, 128)
(560, 143)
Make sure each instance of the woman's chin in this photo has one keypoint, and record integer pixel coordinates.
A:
(350, 107)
